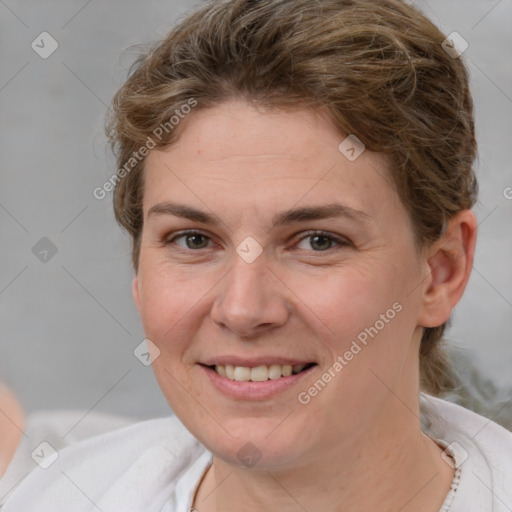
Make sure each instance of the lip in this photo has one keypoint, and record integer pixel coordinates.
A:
(252, 362)
(248, 390)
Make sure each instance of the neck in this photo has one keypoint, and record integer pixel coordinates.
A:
(399, 468)
(387, 465)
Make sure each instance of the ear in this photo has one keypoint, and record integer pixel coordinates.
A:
(135, 292)
(450, 261)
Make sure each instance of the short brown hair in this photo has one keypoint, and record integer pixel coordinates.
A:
(377, 66)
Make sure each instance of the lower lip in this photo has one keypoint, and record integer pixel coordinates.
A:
(248, 390)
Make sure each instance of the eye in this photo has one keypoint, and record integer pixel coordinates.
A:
(192, 240)
(321, 241)
(318, 241)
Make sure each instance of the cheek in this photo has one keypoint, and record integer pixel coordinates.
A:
(345, 301)
(172, 302)
(361, 312)
(161, 299)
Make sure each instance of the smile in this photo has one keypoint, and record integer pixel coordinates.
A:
(255, 382)
(259, 373)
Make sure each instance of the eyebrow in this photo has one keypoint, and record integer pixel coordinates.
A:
(285, 217)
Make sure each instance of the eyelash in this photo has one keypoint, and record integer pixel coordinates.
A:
(308, 234)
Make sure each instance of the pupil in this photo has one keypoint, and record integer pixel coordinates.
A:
(195, 237)
(321, 237)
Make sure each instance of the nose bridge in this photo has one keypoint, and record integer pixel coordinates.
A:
(246, 286)
(248, 299)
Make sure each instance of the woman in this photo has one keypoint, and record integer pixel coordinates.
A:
(297, 180)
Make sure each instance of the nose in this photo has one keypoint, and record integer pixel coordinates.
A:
(251, 299)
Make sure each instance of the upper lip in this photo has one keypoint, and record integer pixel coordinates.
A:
(252, 362)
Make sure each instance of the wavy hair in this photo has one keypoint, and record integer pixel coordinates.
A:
(377, 66)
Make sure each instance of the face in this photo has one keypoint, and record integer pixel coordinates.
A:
(265, 247)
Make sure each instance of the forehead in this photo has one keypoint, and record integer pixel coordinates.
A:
(236, 130)
(255, 157)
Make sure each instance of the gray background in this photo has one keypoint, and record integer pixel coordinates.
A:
(68, 325)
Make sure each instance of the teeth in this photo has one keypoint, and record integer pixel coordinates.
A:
(287, 370)
(242, 373)
(274, 371)
(258, 373)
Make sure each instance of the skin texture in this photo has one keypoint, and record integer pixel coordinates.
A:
(295, 300)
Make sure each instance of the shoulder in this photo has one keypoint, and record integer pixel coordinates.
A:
(449, 418)
(57, 429)
(130, 465)
(483, 454)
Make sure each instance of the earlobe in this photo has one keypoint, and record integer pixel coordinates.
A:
(135, 292)
(450, 260)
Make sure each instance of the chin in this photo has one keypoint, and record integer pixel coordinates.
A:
(247, 442)
(246, 454)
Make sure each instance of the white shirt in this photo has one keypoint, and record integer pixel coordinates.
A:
(156, 466)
